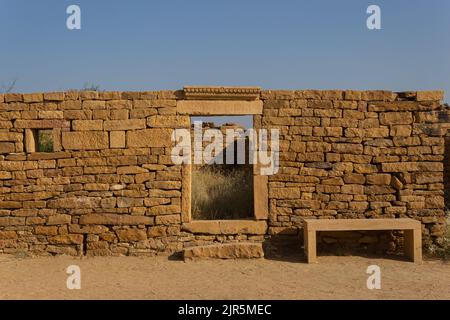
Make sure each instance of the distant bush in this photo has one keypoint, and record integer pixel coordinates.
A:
(87, 87)
(9, 87)
(90, 87)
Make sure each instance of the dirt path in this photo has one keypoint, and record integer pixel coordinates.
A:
(160, 278)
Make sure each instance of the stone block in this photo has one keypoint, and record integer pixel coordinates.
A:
(430, 95)
(352, 189)
(390, 118)
(41, 124)
(131, 235)
(130, 124)
(66, 239)
(380, 178)
(115, 219)
(87, 125)
(401, 131)
(7, 147)
(154, 137)
(284, 193)
(54, 96)
(168, 121)
(85, 140)
(117, 139)
(58, 219)
(224, 251)
(52, 114)
(13, 97)
(33, 97)
(119, 114)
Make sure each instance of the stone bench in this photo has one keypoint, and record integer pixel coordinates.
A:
(411, 228)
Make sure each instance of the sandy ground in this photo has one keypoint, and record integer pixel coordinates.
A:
(161, 278)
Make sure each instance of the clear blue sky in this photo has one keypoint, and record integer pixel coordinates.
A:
(152, 45)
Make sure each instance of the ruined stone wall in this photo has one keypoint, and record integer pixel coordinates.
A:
(110, 184)
(350, 154)
(110, 187)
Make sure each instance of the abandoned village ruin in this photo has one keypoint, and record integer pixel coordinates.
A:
(108, 185)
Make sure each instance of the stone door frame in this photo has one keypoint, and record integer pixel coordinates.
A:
(223, 101)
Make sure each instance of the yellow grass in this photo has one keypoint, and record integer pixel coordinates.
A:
(222, 192)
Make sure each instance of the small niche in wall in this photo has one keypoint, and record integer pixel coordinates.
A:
(39, 140)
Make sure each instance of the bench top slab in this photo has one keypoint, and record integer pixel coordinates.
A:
(361, 224)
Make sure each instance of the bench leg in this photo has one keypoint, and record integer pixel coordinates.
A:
(413, 244)
(309, 238)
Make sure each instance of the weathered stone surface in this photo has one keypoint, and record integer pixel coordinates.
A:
(204, 107)
(33, 97)
(224, 251)
(115, 219)
(7, 147)
(59, 219)
(401, 131)
(168, 121)
(73, 202)
(117, 139)
(131, 235)
(130, 124)
(430, 95)
(46, 230)
(67, 239)
(284, 193)
(12, 221)
(164, 209)
(4, 175)
(168, 219)
(383, 179)
(13, 97)
(389, 118)
(412, 166)
(50, 114)
(354, 178)
(6, 235)
(41, 124)
(124, 202)
(120, 114)
(85, 140)
(87, 125)
(352, 189)
(226, 227)
(54, 96)
(147, 138)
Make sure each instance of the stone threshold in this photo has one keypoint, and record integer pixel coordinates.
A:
(240, 250)
(226, 227)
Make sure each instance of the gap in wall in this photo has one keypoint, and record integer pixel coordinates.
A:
(223, 191)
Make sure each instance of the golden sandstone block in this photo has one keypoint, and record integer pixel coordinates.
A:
(85, 140)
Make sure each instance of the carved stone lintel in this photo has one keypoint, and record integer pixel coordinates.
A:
(221, 93)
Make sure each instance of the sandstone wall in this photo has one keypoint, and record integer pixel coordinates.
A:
(350, 154)
(110, 186)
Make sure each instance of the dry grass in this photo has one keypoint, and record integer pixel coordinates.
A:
(441, 250)
(45, 140)
(222, 192)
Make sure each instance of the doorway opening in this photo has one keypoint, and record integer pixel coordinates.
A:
(222, 189)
